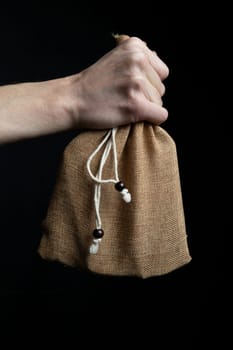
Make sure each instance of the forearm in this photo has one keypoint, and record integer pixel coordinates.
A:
(29, 110)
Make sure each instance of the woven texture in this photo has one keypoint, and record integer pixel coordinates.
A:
(144, 238)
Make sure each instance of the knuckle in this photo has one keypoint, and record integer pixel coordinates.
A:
(131, 106)
(137, 59)
(135, 41)
(132, 85)
(135, 84)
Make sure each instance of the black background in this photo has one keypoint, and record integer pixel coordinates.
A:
(53, 302)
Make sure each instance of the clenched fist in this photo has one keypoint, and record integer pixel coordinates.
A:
(124, 86)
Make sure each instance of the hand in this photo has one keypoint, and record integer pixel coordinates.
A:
(124, 86)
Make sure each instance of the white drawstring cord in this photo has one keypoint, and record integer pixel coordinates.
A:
(110, 141)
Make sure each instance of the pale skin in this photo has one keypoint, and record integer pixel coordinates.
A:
(124, 86)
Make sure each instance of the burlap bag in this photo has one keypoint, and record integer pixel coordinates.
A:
(145, 237)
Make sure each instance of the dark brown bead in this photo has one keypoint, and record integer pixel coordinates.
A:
(119, 186)
(98, 233)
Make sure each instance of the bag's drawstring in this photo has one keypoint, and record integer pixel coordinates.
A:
(110, 143)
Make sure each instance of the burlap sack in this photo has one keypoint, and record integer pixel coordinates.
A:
(146, 237)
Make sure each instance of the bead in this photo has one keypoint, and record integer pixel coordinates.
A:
(98, 233)
(94, 246)
(126, 195)
(119, 186)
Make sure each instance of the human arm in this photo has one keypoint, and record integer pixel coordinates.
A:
(124, 86)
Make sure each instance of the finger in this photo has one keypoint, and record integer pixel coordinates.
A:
(158, 65)
(153, 113)
(151, 93)
(154, 78)
(151, 73)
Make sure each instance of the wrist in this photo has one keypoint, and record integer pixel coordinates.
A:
(35, 109)
(61, 103)
(69, 102)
